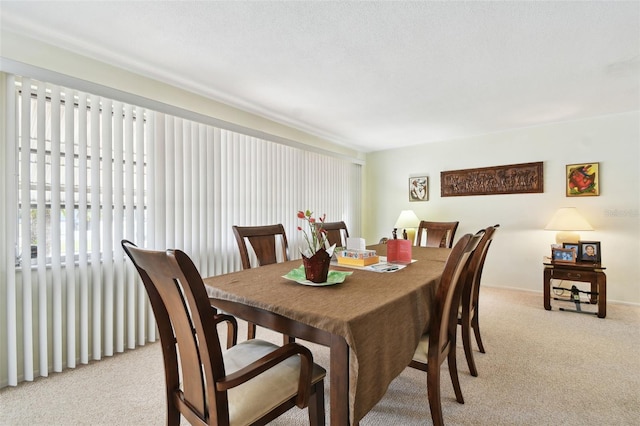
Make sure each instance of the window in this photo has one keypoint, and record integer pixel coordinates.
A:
(86, 172)
(63, 164)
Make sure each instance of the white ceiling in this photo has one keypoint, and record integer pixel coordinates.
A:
(370, 75)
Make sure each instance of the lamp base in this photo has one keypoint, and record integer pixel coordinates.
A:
(411, 235)
(567, 237)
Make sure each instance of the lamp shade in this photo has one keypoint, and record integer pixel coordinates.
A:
(407, 219)
(568, 219)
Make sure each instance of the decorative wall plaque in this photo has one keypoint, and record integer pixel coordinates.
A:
(510, 179)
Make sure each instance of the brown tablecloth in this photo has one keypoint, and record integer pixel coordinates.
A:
(380, 315)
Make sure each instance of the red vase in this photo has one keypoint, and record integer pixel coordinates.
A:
(316, 267)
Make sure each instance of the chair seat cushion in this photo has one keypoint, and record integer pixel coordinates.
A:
(251, 400)
(422, 350)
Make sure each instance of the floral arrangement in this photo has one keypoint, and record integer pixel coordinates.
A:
(317, 235)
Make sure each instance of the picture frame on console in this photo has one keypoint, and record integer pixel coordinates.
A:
(590, 251)
(563, 255)
(573, 246)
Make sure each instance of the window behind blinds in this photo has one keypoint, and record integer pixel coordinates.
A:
(85, 171)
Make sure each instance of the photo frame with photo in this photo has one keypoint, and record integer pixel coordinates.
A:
(590, 251)
(563, 255)
(573, 246)
(418, 188)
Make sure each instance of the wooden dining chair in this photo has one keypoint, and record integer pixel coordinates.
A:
(439, 343)
(268, 244)
(468, 312)
(439, 234)
(252, 382)
(337, 233)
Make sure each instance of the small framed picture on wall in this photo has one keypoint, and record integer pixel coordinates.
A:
(583, 180)
(419, 188)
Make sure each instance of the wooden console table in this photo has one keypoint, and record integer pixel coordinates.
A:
(583, 272)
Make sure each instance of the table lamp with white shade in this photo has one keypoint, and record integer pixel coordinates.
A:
(408, 221)
(566, 221)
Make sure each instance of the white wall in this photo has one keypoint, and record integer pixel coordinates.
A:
(515, 258)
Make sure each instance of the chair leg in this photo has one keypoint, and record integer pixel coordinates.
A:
(433, 393)
(251, 331)
(476, 331)
(316, 405)
(173, 413)
(468, 351)
(453, 372)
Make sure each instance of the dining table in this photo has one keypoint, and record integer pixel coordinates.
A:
(371, 322)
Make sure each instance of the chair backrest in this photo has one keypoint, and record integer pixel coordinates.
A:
(337, 233)
(473, 274)
(186, 322)
(268, 242)
(444, 320)
(439, 234)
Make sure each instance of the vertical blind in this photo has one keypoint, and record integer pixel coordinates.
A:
(84, 172)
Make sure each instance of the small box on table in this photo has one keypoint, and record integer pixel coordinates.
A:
(357, 257)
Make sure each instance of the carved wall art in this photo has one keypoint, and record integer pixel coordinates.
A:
(511, 179)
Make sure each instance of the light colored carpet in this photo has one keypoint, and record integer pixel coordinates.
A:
(541, 367)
